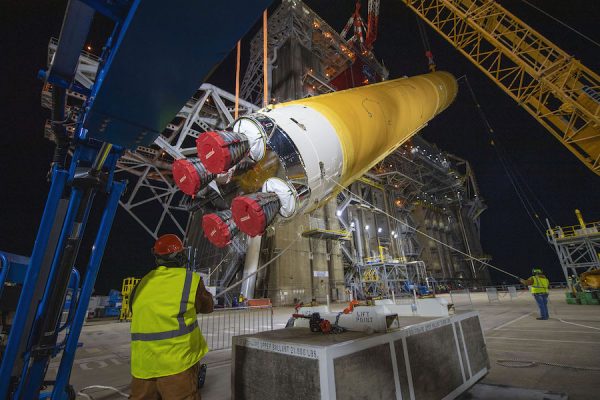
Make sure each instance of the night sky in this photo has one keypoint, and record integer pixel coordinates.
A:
(560, 181)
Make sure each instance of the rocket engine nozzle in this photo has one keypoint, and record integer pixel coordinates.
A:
(219, 228)
(219, 151)
(253, 213)
(190, 175)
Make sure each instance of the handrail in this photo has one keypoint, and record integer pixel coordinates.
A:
(561, 232)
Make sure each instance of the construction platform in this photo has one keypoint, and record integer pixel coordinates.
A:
(570, 338)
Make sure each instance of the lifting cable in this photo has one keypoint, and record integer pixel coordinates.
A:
(412, 228)
(237, 79)
(265, 55)
(517, 363)
(562, 23)
(265, 265)
(519, 185)
(426, 45)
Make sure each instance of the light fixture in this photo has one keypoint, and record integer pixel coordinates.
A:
(393, 232)
(379, 230)
(366, 227)
(338, 212)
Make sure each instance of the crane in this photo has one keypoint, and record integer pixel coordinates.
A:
(363, 37)
(555, 88)
(372, 23)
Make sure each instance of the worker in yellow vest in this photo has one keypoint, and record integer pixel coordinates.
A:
(538, 284)
(166, 342)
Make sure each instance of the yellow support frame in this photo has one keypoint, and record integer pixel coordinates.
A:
(556, 89)
(126, 289)
(371, 182)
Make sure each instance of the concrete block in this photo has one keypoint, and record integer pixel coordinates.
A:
(427, 358)
(436, 307)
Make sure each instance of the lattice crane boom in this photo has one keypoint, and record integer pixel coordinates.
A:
(372, 23)
(555, 88)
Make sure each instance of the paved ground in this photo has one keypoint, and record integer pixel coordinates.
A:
(570, 338)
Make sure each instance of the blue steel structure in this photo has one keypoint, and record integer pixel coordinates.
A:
(157, 55)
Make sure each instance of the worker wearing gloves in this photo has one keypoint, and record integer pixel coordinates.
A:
(166, 342)
(538, 284)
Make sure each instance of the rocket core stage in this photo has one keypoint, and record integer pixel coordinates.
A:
(298, 154)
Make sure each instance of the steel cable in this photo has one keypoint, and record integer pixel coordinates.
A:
(265, 265)
(517, 363)
(375, 208)
(510, 169)
(562, 23)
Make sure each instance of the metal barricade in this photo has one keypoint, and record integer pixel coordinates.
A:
(492, 294)
(221, 325)
(512, 292)
(461, 298)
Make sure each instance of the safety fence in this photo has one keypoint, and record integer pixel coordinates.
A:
(461, 298)
(492, 294)
(221, 325)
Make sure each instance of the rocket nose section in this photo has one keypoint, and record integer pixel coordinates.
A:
(447, 87)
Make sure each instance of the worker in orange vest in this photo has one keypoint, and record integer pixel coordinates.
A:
(166, 342)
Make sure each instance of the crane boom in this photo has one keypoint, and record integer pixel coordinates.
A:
(372, 23)
(555, 88)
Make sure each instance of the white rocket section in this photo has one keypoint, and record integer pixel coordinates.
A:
(256, 140)
(317, 143)
(285, 192)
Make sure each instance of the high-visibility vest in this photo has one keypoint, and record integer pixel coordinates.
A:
(540, 285)
(165, 337)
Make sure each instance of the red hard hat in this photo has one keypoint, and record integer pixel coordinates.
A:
(167, 244)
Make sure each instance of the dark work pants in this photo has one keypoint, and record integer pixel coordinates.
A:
(542, 302)
(181, 386)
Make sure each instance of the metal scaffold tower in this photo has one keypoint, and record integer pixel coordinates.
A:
(414, 218)
(148, 168)
(294, 20)
(577, 246)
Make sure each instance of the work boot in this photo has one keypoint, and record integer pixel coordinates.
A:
(540, 318)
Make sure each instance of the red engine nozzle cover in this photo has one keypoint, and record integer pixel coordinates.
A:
(219, 151)
(248, 215)
(214, 152)
(189, 176)
(216, 230)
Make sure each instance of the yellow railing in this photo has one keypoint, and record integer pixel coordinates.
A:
(370, 275)
(126, 289)
(371, 182)
(560, 232)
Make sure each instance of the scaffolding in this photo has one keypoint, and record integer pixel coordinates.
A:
(148, 168)
(577, 246)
